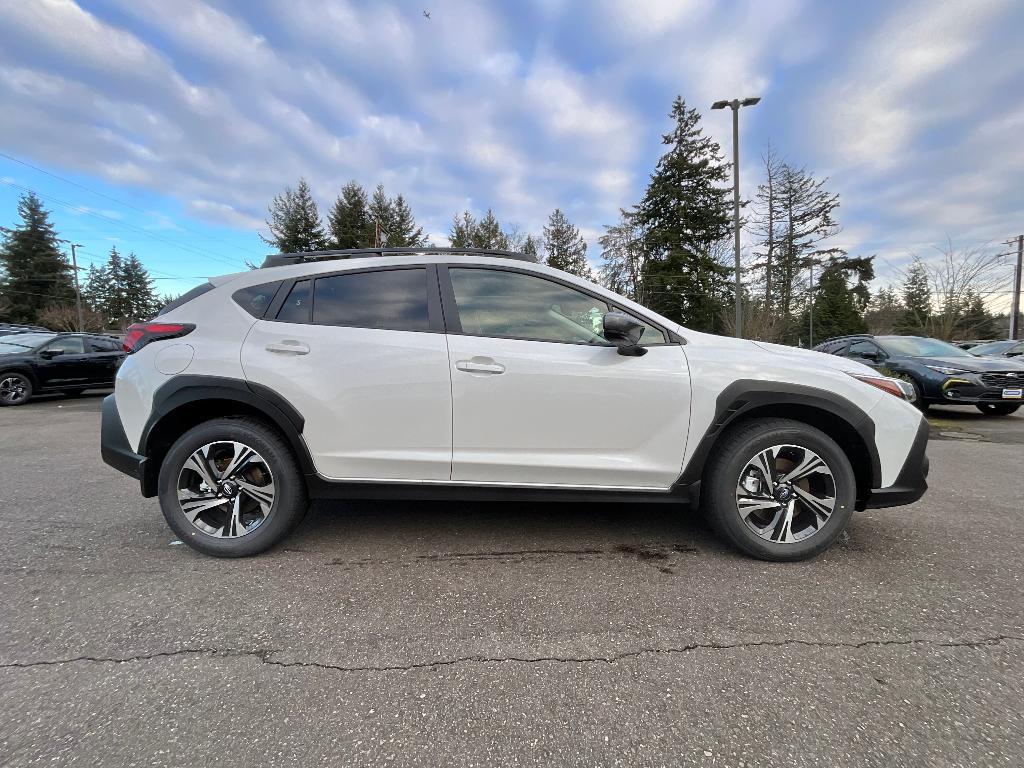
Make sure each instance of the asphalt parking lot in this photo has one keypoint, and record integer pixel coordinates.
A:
(429, 634)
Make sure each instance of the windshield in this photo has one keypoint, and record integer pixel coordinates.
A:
(912, 346)
(992, 348)
(19, 342)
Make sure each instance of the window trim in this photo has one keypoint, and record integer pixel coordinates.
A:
(435, 319)
(69, 337)
(453, 323)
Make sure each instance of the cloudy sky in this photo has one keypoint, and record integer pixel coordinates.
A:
(166, 127)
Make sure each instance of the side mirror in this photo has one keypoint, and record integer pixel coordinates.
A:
(49, 354)
(624, 332)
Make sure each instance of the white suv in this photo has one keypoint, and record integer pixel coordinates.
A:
(438, 373)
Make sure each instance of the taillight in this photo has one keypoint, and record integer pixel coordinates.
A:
(139, 335)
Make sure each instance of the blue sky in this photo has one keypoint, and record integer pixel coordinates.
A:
(166, 127)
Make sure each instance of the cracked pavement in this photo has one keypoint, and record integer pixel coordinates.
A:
(509, 634)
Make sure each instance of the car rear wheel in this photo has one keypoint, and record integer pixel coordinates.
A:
(15, 389)
(997, 409)
(779, 489)
(919, 396)
(231, 488)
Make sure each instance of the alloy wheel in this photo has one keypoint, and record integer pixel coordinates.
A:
(785, 493)
(13, 390)
(226, 489)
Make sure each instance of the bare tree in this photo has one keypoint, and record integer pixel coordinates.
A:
(624, 255)
(957, 279)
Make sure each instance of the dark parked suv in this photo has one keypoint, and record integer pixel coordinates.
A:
(32, 363)
(941, 373)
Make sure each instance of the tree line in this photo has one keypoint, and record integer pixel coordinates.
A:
(37, 282)
(359, 220)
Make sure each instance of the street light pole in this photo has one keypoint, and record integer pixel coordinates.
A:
(735, 105)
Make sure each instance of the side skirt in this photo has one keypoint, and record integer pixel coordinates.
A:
(319, 488)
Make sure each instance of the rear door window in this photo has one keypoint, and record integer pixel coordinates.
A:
(394, 300)
(296, 307)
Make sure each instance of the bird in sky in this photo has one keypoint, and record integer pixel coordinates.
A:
(426, 14)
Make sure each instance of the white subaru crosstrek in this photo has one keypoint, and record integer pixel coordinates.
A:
(460, 374)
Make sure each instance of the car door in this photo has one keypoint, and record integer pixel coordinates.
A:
(62, 362)
(104, 355)
(540, 398)
(361, 354)
(866, 352)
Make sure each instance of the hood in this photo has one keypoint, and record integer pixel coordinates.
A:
(810, 357)
(971, 364)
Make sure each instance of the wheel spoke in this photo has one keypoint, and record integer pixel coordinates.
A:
(197, 463)
(750, 504)
(243, 454)
(810, 464)
(194, 504)
(821, 506)
(782, 530)
(263, 494)
(765, 461)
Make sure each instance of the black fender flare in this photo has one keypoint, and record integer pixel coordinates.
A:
(25, 370)
(187, 390)
(745, 396)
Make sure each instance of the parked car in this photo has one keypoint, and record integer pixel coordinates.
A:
(939, 372)
(1005, 348)
(34, 363)
(440, 373)
(9, 329)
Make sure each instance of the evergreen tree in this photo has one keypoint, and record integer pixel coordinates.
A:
(684, 213)
(34, 273)
(884, 312)
(382, 218)
(529, 247)
(468, 232)
(565, 247)
(140, 299)
(294, 221)
(837, 306)
(404, 232)
(917, 301)
(121, 291)
(349, 219)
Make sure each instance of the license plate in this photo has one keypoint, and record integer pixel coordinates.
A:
(1013, 394)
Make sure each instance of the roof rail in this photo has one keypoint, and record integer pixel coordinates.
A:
(284, 259)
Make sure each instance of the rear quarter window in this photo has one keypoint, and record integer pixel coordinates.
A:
(256, 299)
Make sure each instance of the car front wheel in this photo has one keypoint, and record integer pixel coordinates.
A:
(997, 409)
(15, 389)
(779, 489)
(231, 487)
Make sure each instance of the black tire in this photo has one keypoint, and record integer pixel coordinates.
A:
(15, 388)
(997, 409)
(289, 499)
(731, 456)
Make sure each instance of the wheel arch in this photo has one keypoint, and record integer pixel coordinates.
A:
(187, 401)
(851, 428)
(25, 370)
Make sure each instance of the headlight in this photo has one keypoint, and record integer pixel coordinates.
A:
(896, 387)
(946, 370)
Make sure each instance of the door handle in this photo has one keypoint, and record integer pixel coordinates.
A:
(288, 347)
(480, 365)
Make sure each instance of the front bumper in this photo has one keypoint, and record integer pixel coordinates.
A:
(114, 446)
(970, 389)
(911, 483)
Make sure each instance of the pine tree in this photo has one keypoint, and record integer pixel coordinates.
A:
(530, 247)
(684, 213)
(349, 219)
(565, 247)
(404, 232)
(838, 308)
(34, 273)
(463, 230)
(468, 232)
(917, 301)
(294, 221)
(140, 300)
(884, 312)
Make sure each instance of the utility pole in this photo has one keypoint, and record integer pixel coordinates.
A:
(1015, 306)
(78, 289)
(735, 105)
(810, 344)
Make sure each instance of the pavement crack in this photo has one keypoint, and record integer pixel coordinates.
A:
(266, 656)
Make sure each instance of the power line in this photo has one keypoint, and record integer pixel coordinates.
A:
(143, 232)
(122, 202)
